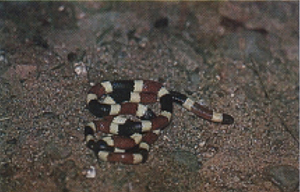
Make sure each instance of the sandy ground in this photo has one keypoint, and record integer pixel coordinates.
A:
(237, 58)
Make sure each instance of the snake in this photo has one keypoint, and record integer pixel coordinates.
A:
(128, 127)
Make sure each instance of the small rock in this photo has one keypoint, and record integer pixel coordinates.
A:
(143, 42)
(285, 177)
(56, 152)
(187, 159)
(80, 69)
(90, 173)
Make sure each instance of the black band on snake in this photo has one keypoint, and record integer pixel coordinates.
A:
(127, 140)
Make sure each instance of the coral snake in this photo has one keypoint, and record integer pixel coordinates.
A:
(128, 127)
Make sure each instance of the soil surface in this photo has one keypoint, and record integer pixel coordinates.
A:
(239, 58)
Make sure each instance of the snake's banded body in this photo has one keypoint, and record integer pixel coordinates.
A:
(127, 140)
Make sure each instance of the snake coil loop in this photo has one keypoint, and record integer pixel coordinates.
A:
(128, 140)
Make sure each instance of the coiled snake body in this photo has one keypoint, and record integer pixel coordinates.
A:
(128, 140)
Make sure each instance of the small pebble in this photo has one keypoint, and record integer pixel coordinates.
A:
(187, 159)
(285, 177)
(202, 143)
(90, 173)
(143, 42)
(80, 69)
